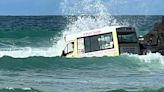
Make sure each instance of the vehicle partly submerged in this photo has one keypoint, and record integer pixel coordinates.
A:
(107, 41)
(113, 41)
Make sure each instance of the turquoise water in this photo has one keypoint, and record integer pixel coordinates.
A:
(29, 63)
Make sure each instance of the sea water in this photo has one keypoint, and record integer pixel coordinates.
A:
(30, 49)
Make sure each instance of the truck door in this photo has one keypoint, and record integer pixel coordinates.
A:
(69, 49)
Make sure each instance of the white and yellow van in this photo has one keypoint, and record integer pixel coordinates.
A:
(107, 41)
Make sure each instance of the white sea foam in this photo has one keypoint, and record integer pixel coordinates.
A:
(149, 58)
(28, 52)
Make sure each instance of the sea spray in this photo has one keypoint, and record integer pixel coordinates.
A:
(92, 14)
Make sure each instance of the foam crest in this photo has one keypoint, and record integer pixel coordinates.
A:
(11, 89)
(149, 58)
(28, 52)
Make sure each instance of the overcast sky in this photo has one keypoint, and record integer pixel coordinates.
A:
(53, 7)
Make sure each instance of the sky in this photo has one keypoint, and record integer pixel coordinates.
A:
(53, 7)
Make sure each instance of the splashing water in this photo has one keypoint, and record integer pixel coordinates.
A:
(97, 8)
(84, 22)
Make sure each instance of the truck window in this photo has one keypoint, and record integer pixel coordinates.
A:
(96, 42)
(87, 44)
(127, 37)
(106, 41)
(81, 45)
(69, 48)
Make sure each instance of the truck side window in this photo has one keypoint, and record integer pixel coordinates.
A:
(106, 41)
(95, 43)
(81, 49)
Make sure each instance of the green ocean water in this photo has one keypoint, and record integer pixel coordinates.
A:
(29, 62)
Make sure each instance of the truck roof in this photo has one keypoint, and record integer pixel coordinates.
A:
(71, 37)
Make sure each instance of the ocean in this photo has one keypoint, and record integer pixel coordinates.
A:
(30, 48)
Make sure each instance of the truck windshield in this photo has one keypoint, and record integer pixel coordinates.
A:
(127, 37)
